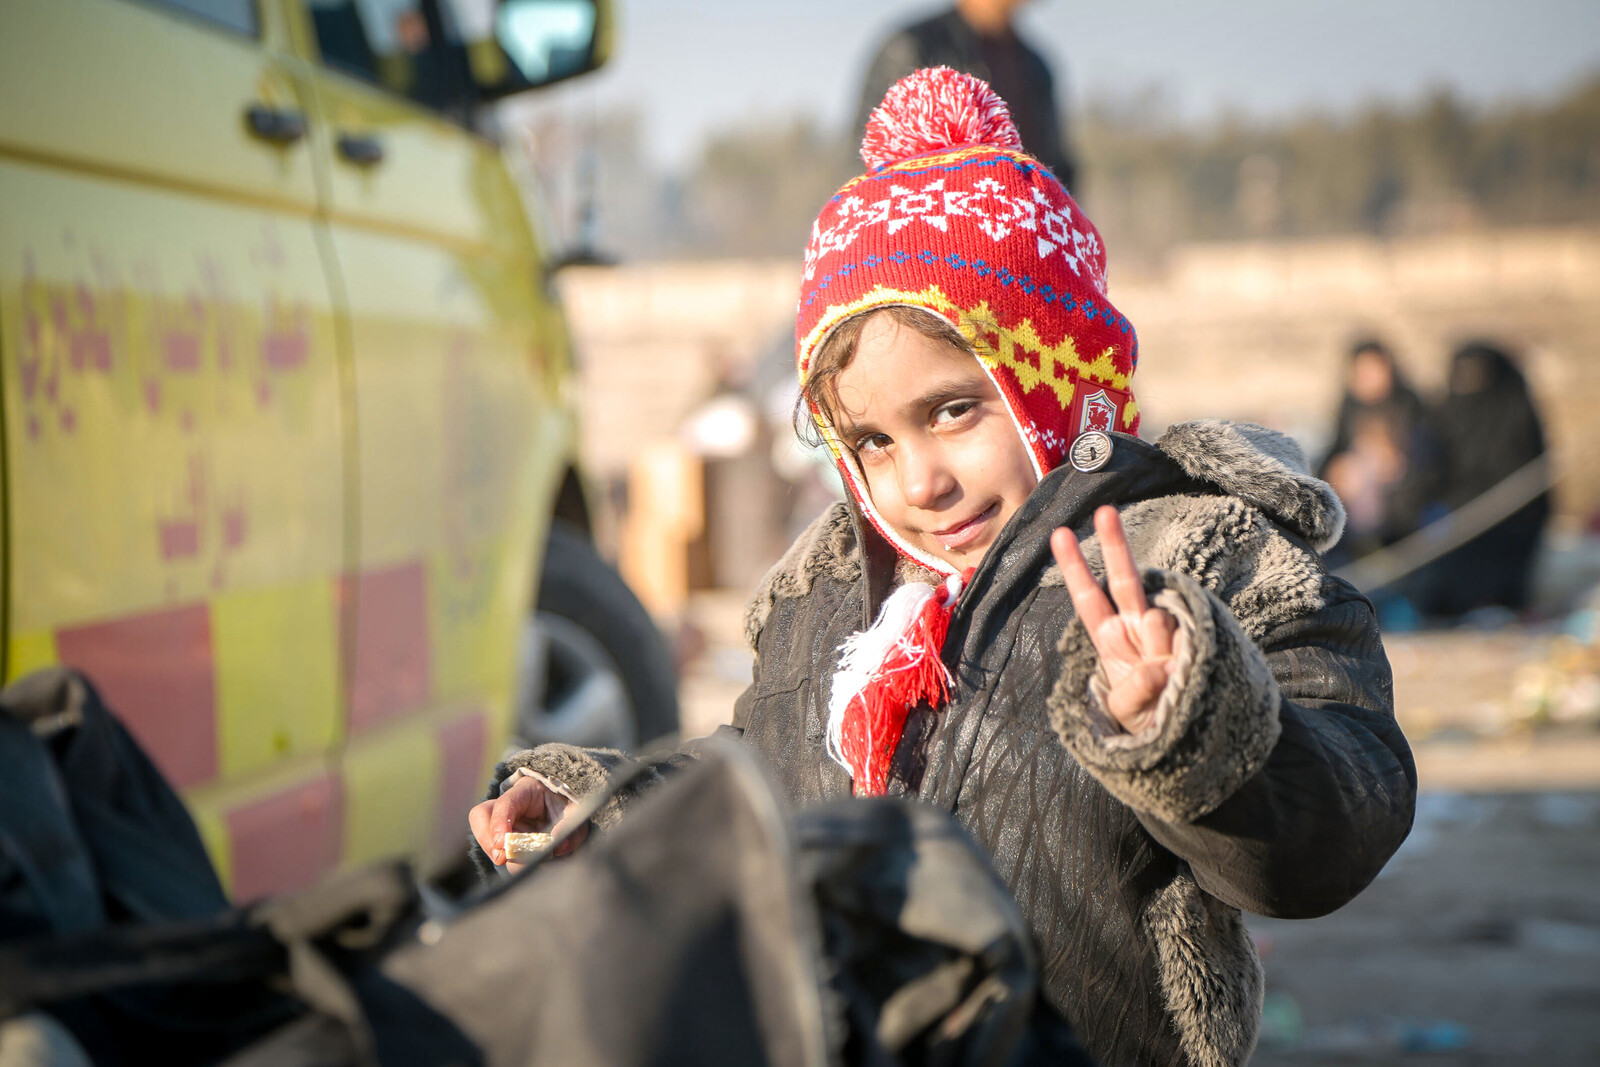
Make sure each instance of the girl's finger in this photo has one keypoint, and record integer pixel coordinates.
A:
(1087, 599)
(479, 818)
(1133, 701)
(1121, 574)
(524, 800)
(570, 845)
(1156, 631)
(1115, 644)
(555, 809)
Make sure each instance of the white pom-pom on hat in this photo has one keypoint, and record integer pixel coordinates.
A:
(932, 109)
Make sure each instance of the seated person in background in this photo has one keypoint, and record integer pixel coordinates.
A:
(1383, 461)
(1363, 474)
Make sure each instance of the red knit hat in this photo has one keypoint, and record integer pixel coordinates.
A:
(954, 217)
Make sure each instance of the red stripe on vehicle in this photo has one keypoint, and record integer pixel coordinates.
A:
(288, 840)
(390, 674)
(461, 780)
(156, 673)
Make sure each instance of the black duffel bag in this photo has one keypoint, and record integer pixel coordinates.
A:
(706, 928)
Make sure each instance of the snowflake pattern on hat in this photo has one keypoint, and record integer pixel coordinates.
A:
(946, 203)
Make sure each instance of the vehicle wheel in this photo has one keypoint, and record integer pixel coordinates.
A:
(593, 670)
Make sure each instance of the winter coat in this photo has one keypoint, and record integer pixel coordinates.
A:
(1275, 780)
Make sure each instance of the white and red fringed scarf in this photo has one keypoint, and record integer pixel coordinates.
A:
(885, 671)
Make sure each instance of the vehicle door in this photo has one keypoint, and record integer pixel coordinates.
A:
(173, 414)
(458, 440)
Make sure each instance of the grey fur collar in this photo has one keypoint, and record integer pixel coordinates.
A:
(826, 547)
(1262, 467)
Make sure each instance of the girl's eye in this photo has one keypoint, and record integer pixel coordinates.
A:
(875, 442)
(953, 411)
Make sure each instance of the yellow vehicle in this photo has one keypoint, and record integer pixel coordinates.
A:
(288, 412)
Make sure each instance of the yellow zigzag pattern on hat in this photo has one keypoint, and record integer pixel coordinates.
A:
(1018, 344)
(1034, 363)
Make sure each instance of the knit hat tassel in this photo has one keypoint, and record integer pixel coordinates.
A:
(885, 671)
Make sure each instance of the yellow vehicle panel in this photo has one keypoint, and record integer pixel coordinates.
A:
(165, 347)
(264, 711)
(455, 430)
(282, 432)
(133, 90)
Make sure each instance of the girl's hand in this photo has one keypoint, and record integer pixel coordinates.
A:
(1133, 639)
(526, 807)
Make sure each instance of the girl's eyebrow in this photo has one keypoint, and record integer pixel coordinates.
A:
(940, 393)
(944, 391)
(854, 431)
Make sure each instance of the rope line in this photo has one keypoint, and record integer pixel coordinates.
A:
(1414, 551)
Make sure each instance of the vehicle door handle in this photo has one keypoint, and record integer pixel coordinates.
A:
(361, 150)
(274, 125)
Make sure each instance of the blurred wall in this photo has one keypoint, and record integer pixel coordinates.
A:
(654, 339)
(1259, 330)
(1252, 330)
(656, 342)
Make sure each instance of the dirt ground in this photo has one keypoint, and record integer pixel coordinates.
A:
(1480, 942)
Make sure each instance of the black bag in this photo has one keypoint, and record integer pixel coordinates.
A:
(707, 929)
(704, 928)
(106, 890)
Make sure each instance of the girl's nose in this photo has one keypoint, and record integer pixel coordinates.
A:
(924, 477)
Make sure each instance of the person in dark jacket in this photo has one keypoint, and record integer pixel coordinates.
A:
(1489, 429)
(978, 37)
(1213, 734)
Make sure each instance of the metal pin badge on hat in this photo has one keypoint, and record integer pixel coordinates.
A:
(1090, 451)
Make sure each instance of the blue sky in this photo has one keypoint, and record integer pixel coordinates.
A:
(692, 68)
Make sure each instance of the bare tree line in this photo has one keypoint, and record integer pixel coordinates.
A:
(1149, 181)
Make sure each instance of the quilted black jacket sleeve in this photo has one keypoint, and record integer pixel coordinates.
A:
(1283, 780)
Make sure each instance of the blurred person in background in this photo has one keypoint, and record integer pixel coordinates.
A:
(977, 37)
(1383, 461)
(1488, 428)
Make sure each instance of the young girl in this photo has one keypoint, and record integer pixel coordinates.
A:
(1214, 736)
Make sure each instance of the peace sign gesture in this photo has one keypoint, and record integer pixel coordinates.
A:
(1133, 639)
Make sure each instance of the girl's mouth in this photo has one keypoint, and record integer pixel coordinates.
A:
(968, 532)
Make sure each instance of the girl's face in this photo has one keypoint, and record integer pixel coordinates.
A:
(944, 464)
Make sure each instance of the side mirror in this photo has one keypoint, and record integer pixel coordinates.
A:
(516, 45)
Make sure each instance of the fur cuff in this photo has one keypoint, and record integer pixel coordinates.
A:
(1104, 725)
(580, 771)
(1216, 733)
